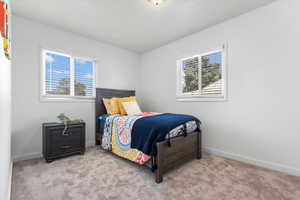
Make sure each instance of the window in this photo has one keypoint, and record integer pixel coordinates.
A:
(65, 76)
(202, 77)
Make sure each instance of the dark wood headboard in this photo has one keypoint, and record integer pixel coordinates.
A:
(100, 108)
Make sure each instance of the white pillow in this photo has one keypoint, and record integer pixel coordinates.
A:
(132, 108)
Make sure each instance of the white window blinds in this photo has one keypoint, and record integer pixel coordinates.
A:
(84, 77)
(67, 76)
(202, 76)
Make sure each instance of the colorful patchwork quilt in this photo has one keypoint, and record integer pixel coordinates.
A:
(116, 136)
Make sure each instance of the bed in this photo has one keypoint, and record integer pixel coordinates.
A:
(170, 153)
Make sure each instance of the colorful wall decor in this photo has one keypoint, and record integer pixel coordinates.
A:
(4, 29)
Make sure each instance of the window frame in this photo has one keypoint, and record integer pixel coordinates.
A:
(50, 97)
(197, 96)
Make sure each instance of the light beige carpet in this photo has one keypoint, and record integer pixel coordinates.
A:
(103, 176)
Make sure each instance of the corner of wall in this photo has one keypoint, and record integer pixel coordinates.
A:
(9, 180)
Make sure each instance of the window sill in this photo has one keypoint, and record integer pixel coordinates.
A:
(200, 99)
(67, 99)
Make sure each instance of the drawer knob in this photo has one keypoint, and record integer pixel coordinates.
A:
(66, 147)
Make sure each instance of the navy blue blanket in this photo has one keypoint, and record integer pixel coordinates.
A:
(146, 131)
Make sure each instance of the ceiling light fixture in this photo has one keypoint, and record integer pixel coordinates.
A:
(156, 3)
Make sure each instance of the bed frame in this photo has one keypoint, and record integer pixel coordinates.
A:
(170, 154)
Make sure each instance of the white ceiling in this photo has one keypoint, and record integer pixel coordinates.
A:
(133, 24)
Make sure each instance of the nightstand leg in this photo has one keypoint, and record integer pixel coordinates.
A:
(49, 160)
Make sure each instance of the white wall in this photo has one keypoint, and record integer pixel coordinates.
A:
(260, 121)
(5, 124)
(116, 68)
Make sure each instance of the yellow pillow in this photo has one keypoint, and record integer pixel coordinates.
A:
(107, 105)
(114, 105)
(121, 101)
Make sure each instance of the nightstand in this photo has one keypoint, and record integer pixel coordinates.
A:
(59, 142)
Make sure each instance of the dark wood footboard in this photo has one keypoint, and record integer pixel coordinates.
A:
(181, 150)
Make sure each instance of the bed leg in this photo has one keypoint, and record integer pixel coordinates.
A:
(97, 142)
(199, 152)
(158, 177)
(158, 171)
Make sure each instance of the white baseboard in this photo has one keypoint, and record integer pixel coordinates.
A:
(90, 143)
(260, 163)
(9, 181)
(31, 156)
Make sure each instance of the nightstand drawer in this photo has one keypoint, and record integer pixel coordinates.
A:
(59, 134)
(63, 147)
